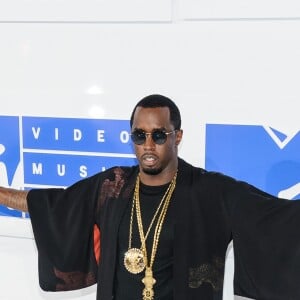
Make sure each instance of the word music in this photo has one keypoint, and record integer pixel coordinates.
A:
(64, 169)
(61, 169)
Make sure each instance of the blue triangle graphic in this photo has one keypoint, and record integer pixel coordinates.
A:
(279, 134)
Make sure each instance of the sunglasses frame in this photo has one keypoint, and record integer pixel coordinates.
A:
(152, 134)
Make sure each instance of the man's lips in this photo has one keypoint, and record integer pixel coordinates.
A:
(149, 159)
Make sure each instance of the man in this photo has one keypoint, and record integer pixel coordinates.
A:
(164, 225)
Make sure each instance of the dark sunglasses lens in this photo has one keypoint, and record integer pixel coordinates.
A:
(138, 137)
(159, 137)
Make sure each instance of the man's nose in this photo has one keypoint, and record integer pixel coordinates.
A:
(149, 141)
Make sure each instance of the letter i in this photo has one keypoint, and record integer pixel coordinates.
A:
(56, 133)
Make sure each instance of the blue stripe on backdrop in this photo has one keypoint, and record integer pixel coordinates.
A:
(248, 152)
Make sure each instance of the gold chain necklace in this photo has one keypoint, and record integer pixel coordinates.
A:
(149, 280)
(134, 257)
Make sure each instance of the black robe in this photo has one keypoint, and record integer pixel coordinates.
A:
(211, 209)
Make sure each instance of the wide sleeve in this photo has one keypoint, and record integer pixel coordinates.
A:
(64, 226)
(266, 243)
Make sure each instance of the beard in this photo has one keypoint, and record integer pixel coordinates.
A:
(150, 171)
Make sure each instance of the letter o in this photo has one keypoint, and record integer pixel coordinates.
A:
(124, 136)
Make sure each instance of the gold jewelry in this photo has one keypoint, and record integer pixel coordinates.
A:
(149, 280)
(134, 258)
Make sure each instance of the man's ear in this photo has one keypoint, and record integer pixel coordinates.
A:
(179, 134)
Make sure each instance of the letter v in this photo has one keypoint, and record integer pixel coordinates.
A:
(36, 132)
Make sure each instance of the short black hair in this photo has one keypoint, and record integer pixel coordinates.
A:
(157, 100)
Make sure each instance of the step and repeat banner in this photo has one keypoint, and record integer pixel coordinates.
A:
(71, 71)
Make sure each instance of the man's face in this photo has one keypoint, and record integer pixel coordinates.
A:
(155, 158)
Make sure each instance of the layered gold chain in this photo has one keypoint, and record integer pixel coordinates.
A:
(134, 258)
(149, 280)
(154, 216)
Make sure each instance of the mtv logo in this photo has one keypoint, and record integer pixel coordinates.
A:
(260, 155)
(10, 165)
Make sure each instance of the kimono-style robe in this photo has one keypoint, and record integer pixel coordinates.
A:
(211, 209)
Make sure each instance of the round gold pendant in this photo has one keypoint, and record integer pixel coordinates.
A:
(134, 260)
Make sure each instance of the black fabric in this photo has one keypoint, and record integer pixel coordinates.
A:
(210, 209)
(267, 247)
(63, 230)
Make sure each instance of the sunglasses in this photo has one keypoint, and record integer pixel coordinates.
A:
(159, 137)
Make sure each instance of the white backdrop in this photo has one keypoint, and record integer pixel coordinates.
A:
(97, 58)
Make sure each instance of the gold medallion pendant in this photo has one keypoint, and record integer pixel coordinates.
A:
(134, 261)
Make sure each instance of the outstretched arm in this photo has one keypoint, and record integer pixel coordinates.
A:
(15, 199)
